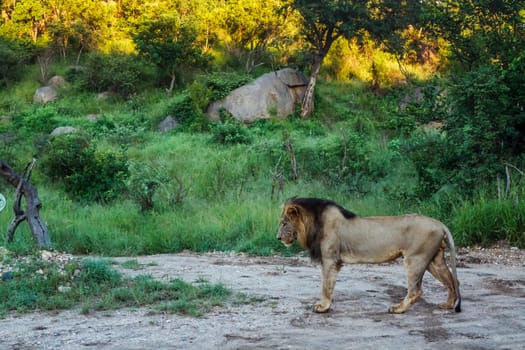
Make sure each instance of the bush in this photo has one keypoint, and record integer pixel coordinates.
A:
(230, 131)
(147, 183)
(103, 72)
(38, 120)
(428, 152)
(338, 160)
(13, 59)
(190, 106)
(122, 130)
(221, 83)
(479, 125)
(483, 129)
(87, 174)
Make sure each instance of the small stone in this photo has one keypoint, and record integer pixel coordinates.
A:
(7, 276)
(64, 289)
(46, 255)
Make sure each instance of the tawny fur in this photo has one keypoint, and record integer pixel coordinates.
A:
(334, 236)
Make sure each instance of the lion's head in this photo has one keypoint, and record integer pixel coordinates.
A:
(292, 225)
(302, 221)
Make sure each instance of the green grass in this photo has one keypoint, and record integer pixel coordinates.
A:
(485, 221)
(92, 285)
(212, 196)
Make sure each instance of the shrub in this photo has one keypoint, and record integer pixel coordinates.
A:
(87, 173)
(338, 160)
(190, 106)
(149, 182)
(123, 130)
(13, 58)
(38, 120)
(103, 72)
(483, 127)
(221, 83)
(478, 125)
(428, 152)
(230, 131)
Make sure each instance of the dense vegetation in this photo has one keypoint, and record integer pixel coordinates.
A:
(419, 116)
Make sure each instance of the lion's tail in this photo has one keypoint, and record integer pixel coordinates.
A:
(450, 243)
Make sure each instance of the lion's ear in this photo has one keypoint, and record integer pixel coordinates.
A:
(293, 211)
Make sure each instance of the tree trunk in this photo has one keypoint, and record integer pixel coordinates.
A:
(169, 90)
(307, 106)
(31, 214)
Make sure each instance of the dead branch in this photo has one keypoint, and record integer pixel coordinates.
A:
(31, 213)
(291, 154)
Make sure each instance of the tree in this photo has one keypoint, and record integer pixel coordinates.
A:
(479, 31)
(170, 45)
(79, 25)
(323, 23)
(483, 112)
(249, 28)
(13, 57)
(398, 26)
(24, 20)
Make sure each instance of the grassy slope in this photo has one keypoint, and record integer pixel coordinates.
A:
(227, 202)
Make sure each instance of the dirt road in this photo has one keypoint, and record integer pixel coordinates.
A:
(493, 314)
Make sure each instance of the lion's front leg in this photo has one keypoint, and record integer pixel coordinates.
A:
(329, 271)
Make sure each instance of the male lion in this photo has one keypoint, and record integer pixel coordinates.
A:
(334, 235)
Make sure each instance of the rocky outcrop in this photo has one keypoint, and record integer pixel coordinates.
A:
(48, 93)
(273, 94)
(63, 130)
(57, 82)
(168, 123)
(45, 94)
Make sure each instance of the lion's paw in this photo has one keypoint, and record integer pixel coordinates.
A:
(397, 309)
(321, 307)
(446, 306)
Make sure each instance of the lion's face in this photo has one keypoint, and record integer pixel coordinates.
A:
(290, 225)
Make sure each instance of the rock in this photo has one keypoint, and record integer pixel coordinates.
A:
(168, 124)
(7, 137)
(93, 117)
(415, 96)
(46, 255)
(105, 95)
(62, 130)
(273, 94)
(64, 289)
(8, 275)
(57, 82)
(45, 94)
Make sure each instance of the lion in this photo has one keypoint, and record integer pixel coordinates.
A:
(335, 236)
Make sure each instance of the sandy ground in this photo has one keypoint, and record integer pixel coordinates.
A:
(493, 317)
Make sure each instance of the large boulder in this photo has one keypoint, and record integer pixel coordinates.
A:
(273, 94)
(63, 130)
(169, 123)
(57, 82)
(45, 94)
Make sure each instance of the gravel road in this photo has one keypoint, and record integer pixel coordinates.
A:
(493, 317)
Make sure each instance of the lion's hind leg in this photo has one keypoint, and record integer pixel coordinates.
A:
(416, 267)
(439, 269)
